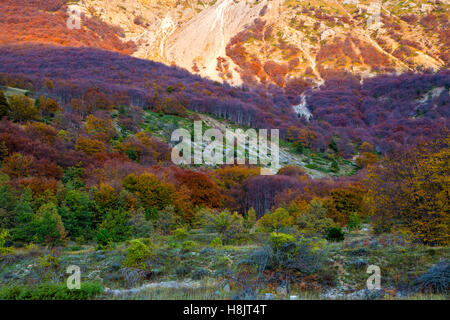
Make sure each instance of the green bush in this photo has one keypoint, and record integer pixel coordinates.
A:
(298, 147)
(229, 225)
(278, 240)
(180, 233)
(216, 242)
(4, 234)
(104, 239)
(189, 245)
(51, 291)
(276, 221)
(335, 234)
(250, 219)
(314, 219)
(49, 262)
(354, 222)
(289, 257)
(137, 255)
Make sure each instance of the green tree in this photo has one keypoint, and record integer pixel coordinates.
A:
(104, 239)
(22, 108)
(334, 166)
(333, 146)
(24, 230)
(49, 226)
(76, 213)
(250, 220)
(8, 201)
(4, 105)
(117, 224)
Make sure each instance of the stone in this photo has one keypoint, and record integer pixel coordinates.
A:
(269, 296)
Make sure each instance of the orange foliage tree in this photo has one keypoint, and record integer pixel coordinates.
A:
(90, 146)
(48, 106)
(17, 165)
(344, 202)
(366, 159)
(203, 191)
(100, 127)
(151, 191)
(230, 176)
(411, 191)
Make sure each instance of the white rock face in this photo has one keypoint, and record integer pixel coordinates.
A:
(191, 284)
(302, 109)
(329, 33)
(204, 39)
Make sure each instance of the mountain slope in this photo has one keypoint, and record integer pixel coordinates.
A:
(275, 42)
(35, 21)
(387, 111)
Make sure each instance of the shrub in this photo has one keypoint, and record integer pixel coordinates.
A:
(180, 233)
(189, 245)
(137, 255)
(250, 220)
(314, 219)
(276, 221)
(216, 242)
(183, 270)
(354, 222)
(200, 274)
(141, 227)
(4, 234)
(167, 220)
(51, 291)
(436, 279)
(335, 234)
(278, 240)
(381, 227)
(104, 239)
(288, 257)
(49, 262)
(229, 225)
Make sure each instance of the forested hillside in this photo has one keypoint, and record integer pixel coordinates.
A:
(87, 176)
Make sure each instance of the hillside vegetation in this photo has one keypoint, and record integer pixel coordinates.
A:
(86, 170)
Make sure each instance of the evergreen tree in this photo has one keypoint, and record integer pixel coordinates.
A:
(117, 225)
(333, 146)
(334, 166)
(24, 230)
(76, 214)
(49, 226)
